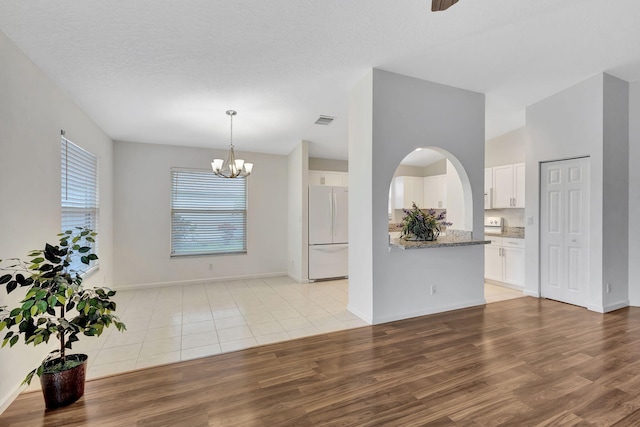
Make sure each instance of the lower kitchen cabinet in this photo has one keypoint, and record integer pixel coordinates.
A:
(504, 260)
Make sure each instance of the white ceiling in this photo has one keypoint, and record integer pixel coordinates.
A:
(161, 71)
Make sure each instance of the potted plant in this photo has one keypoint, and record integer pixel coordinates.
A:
(421, 225)
(56, 304)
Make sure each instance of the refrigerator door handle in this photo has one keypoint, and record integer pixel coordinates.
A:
(331, 211)
(335, 213)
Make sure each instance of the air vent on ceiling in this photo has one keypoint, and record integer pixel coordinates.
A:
(325, 120)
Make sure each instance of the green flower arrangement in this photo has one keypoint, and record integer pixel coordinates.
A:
(418, 225)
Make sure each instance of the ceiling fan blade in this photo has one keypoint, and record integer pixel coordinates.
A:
(438, 5)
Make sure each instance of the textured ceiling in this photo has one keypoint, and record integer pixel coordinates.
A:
(162, 71)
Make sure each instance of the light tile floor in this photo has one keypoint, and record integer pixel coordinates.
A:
(495, 293)
(172, 324)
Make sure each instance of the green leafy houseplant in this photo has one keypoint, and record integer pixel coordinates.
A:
(55, 303)
(420, 225)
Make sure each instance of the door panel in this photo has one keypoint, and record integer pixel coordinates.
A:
(564, 231)
(554, 257)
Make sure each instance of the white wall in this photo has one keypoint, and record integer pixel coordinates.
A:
(634, 194)
(320, 164)
(506, 149)
(455, 200)
(408, 113)
(142, 219)
(360, 199)
(32, 112)
(584, 120)
(298, 213)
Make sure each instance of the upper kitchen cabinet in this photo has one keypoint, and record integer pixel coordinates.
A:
(331, 178)
(408, 190)
(508, 186)
(434, 192)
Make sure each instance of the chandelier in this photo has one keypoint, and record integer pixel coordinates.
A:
(233, 168)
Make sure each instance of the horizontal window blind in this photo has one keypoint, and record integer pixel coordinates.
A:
(79, 195)
(208, 213)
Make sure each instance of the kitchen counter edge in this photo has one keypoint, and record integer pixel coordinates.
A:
(442, 242)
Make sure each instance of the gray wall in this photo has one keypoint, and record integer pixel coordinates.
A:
(32, 112)
(615, 193)
(143, 220)
(409, 113)
(634, 194)
(585, 120)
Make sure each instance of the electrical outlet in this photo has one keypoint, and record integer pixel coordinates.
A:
(433, 289)
(608, 287)
(210, 266)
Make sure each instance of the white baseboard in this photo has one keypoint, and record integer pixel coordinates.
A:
(430, 310)
(531, 293)
(197, 281)
(504, 285)
(609, 307)
(361, 315)
(9, 398)
(298, 279)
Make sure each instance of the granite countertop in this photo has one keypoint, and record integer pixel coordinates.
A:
(442, 242)
(510, 233)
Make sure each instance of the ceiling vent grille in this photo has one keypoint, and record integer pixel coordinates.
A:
(325, 120)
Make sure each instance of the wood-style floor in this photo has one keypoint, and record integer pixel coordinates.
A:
(522, 362)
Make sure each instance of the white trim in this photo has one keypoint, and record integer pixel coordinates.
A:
(9, 398)
(385, 319)
(609, 307)
(298, 279)
(616, 306)
(504, 284)
(196, 281)
(362, 316)
(530, 293)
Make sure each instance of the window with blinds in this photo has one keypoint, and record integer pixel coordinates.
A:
(79, 195)
(208, 213)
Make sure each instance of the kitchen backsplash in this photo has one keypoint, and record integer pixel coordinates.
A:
(512, 217)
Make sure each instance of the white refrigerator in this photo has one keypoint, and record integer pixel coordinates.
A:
(328, 232)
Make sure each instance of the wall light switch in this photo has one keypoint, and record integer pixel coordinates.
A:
(529, 220)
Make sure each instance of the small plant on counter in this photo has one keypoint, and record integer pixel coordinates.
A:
(421, 225)
(56, 304)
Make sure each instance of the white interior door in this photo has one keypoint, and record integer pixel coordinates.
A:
(564, 231)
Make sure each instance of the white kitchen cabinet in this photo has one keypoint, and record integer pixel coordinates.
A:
(518, 175)
(493, 259)
(513, 263)
(408, 190)
(504, 260)
(330, 178)
(434, 194)
(488, 188)
(508, 186)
